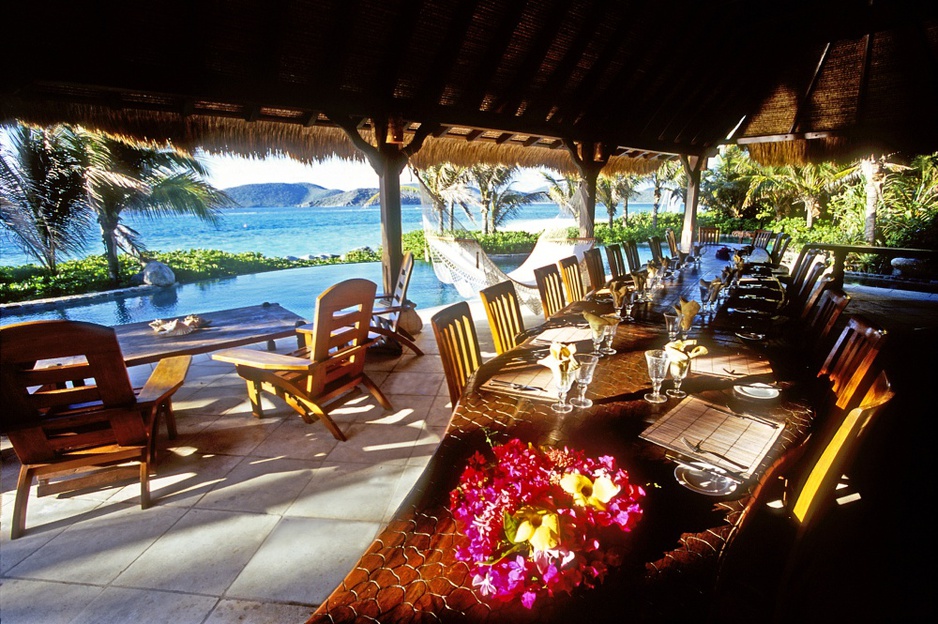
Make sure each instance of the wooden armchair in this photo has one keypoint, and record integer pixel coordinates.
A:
(78, 423)
(503, 311)
(458, 342)
(386, 315)
(550, 288)
(616, 262)
(328, 370)
(572, 279)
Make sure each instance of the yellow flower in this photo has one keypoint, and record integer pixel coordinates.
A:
(587, 493)
(540, 527)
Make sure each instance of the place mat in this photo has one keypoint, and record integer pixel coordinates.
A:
(737, 438)
(731, 365)
(531, 382)
(568, 333)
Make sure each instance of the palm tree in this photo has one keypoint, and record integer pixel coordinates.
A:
(809, 184)
(625, 187)
(606, 195)
(663, 180)
(122, 177)
(42, 194)
(445, 186)
(497, 200)
(562, 191)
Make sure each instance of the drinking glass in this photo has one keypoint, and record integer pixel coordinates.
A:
(657, 360)
(563, 381)
(584, 375)
(598, 335)
(609, 332)
(704, 297)
(629, 305)
(679, 367)
(672, 321)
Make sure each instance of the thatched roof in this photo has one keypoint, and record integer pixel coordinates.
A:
(499, 80)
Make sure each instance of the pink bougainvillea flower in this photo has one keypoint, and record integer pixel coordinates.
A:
(589, 493)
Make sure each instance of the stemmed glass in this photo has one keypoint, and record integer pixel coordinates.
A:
(657, 360)
(584, 375)
(679, 366)
(629, 304)
(672, 321)
(563, 381)
(704, 297)
(599, 332)
(609, 332)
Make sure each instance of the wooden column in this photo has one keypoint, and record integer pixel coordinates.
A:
(693, 167)
(589, 158)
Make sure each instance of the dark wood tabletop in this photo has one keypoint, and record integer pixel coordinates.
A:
(140, 344)
(411, 572)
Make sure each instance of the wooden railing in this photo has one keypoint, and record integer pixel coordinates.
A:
(839, 254)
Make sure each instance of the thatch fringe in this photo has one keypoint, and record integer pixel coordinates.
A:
(803, 151)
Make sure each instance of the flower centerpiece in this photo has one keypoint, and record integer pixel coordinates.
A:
(535, 519)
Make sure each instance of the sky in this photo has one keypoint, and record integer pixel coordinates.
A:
(228, 171)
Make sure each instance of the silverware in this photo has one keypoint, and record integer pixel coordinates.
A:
(516, 386)
(698, 449)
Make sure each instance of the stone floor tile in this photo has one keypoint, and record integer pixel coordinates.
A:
(261, 485)
(250, 612)
(118, 604)
(25, 601)
(348, 490)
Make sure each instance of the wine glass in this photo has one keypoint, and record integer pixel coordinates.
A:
(657, 360)
(584, 375)
(672, 321)
(679, 367)
(704, 297)
(609, 332)
(563, 381)
(629, 300)
(598, 335)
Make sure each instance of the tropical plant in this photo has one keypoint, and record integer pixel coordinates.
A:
(563, 191)
(810, 184)
(445, 187)
(498, 201)
(42, 196)
(610, 190)
(725, 184)
(665, 179)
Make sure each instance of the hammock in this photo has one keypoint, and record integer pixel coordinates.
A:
(460, 261)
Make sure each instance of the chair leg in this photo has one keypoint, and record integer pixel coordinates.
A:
(23, 484)
(308, 409)
(254, 394)
(376, 392)
(144, 483)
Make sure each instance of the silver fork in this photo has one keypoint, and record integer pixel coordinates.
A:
(698, 449)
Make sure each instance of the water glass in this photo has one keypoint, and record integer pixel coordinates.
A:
(563, 381)
(598, 335)
(630, 299)
(672, 321)
(584, 375)
(679, 367)
(609, 332)
(657, 360)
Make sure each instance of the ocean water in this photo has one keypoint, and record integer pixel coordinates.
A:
(272, 232)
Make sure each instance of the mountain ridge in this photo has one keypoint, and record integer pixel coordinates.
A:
(305, 194)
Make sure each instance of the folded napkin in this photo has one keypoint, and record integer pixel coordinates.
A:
(638, 278)
(560, 359)
(714, 291)
(652, 269)
(688, 310)
(619, 290)
(685, 348)
(597, 322)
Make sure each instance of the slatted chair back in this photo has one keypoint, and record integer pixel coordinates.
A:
(799, 294)
(631, 255)
(616, 262)
(594, 268)
(550, 288)
(823, 317)
(761, 238)
(806, 259)
(851, 365)
(572, 279)
(386, 315)
(458, 343)
(708, 236)
(779, 247)
(654, 242)
(673, 248)
(68, 418)
(503, 311)
(814, 295)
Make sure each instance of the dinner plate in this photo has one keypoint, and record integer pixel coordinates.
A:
(754, 336)
(709, 482)
(758, 391)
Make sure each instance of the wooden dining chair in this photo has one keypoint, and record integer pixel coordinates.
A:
(797, 294)
(779, 247)
(823, 317)
(75, 423)
(654, 243)
(389, 307)
(503, 311)
(326, 372)
(761, 238)
(632, 257)
(673, 247)
(616, 262)
(572, 279)
(550, 288)
(458, 343)
(851, 365)
(708, 236)
(594, 269)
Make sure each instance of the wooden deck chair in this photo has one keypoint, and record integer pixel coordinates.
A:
(761, 238)
(78, 423)
(386, 315)
(503, 311)
(550, 288)
(616, 262)
(328, 370)
(458, 343)
(594, 269)
(631, 255)
(851, 365)
(572, 279)
(708, 236)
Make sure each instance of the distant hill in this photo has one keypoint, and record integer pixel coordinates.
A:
(305, 194)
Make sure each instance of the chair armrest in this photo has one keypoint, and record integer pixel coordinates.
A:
(165, 379)
(390, 309)
(262, 359)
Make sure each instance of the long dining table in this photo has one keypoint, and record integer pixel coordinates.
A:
(669, 560)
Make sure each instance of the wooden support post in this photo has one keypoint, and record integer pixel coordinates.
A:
(589, 158)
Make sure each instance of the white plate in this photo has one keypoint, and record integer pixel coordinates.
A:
(708, 482)
(757, 391)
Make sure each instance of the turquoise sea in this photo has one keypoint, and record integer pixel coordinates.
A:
(274, 231)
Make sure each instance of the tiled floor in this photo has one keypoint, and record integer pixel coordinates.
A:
(253, 520)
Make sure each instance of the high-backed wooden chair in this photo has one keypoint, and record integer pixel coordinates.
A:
(503, 311)
(654, 243)
(761, 238)
(324, 373)
(708, 236)
(616, 262)
(798, 293)
(631, 255)
(823, 317)
(673, 247)
(550, 288)
(79, 416)
(386, 315)
(594, 268)
(458, 342)
(572, 279)
(779, 247)
(851, 365)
